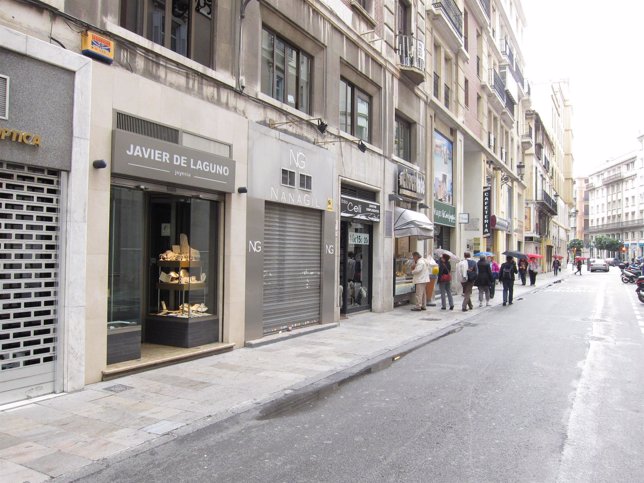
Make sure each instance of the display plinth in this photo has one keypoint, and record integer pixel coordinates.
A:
(123, 344)
(182, 331)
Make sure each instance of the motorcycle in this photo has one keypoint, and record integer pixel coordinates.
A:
(630, 275)
(640, 288)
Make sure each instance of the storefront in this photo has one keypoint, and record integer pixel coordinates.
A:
(411, 227)
(43, 191)
(290, 263)
(359, 211)
(165, 255)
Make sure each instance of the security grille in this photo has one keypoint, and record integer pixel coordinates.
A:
(4, 97)
(146, 128)
(292, 262)
(29, 232)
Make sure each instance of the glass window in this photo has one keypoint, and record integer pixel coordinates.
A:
(288, 177)
(355, 111)
(402, 141)
(286, 72)
(174, 24)
(125, 258)
(305, 182)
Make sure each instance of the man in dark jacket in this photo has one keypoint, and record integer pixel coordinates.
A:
(484, 280)
(507, 272)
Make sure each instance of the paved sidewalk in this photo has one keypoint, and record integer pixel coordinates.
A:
(62, 434)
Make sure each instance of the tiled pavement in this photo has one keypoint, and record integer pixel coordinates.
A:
(64, 433)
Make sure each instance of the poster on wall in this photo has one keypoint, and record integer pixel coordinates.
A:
(528, 219)
(443, 169)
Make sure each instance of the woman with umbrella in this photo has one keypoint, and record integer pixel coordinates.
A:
(533, 267)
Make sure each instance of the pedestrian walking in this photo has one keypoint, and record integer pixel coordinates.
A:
(523, 269)
(508, 269)
(484, 280)
(495, 275)
(467, 271)
(445, 281)
(578, 267)
(420, 274)
(556, 264)
(533, 270)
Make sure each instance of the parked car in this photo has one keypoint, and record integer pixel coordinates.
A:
(598, 264)
(613, 262)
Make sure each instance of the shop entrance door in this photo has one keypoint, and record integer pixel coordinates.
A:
(355, 266)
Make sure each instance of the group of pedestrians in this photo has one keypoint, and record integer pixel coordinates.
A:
(482, 274)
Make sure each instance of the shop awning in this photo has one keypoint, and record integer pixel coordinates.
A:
(412, 223)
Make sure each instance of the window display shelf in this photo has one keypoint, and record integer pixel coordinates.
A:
(181, 287)
(179, 264)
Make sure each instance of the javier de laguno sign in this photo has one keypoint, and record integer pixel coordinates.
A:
(148, 158)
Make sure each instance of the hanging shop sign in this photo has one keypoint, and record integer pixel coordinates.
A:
(444, 214)
(359, 209)
(18, 136)
(498, 223)
(487, 195)
(144, 157)
(411, 182)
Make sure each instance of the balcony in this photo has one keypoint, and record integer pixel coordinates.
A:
(508, 113)
(485, 5)
(527, 139)
(497, 89)
(411, 58)
(508, 53)
(547, 203)
(448, 21)
(612, 178)
(616, 226)
(518, 75)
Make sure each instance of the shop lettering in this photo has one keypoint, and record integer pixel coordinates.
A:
(352, 208)
(297, 159)
(19, 136)
(330, 249)
(283, 196)
(255, 246)
(177, 160)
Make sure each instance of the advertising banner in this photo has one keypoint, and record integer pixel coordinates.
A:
(487, 195)
(443, 169)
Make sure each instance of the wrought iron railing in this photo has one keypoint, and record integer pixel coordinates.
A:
(411, 52)
(509, 105)
(486, 7)
(538, 151)
(498, 84)
(508, 52)
(453, 13)
(518, 76)
(547, 200)
(617, 226)
(612, 177)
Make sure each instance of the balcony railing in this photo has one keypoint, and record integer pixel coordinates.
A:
(518, 76)
(437, 83)
(498, 84)
(446, 95)
(612, 178)
(546, 200)
(486, 7)
(538, 151)
(617, 226)
(411, 52)
(453, 13)
(508, 52)
(509, 105)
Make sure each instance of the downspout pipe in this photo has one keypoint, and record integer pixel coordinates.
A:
(239, 45)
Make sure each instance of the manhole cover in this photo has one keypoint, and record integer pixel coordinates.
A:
(118, 388)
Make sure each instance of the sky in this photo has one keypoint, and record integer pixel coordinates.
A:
(598, 46)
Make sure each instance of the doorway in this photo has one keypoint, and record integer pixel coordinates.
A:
(356, 248)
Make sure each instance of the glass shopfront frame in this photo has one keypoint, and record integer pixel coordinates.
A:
(164, 276)
(356, 256)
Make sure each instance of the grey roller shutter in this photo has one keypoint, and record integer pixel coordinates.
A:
(29, 230)
(292, 250)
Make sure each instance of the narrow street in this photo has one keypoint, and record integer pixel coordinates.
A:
(548, 389)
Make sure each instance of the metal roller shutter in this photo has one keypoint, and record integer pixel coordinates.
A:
(292, 248)
(29, 207)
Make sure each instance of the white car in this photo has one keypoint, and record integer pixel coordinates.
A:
(598, 264)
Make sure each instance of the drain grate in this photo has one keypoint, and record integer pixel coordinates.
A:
(118, 388)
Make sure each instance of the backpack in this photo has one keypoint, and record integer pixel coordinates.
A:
(472, 271)
(506, 272)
